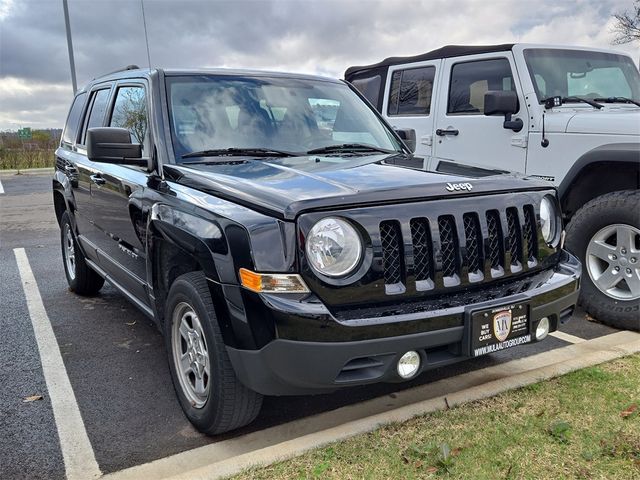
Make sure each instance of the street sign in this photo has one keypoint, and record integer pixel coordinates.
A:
(24, 133)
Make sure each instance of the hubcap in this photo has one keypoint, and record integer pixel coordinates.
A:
(613, 261)
(69, 252)
(190, 354)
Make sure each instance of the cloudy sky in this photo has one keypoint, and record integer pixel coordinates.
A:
(303, 36)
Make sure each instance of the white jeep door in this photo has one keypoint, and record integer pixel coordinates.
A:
(462, 133)
(409, 98)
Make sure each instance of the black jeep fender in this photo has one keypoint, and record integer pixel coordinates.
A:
(618, 164)
(183, 238)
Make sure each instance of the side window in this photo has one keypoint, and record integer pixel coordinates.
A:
(97, 108)
(410, 92)
(130, 112)
(73, 120)
(369, 87)
(471, 80)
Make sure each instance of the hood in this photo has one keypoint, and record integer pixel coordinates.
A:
(618, 120)
(623, 121)
(286, 187)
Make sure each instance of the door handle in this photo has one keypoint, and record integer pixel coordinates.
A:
(97, 179)
(452, 131)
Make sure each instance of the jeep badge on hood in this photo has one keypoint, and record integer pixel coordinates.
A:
(456, 187)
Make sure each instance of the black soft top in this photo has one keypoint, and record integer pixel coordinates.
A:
(447, 51)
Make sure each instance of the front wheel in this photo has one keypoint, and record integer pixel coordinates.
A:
(208, 390)
(605, 235)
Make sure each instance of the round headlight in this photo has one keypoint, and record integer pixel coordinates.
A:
(548, 219)
(333, 247)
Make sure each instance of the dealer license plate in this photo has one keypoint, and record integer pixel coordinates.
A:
(499, 328)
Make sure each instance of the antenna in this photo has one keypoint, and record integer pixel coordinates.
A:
(146, 37)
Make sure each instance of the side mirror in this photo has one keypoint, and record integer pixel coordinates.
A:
(113, 145)
(408, 136)
(498, 102)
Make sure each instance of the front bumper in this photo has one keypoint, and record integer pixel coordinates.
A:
(296, 367)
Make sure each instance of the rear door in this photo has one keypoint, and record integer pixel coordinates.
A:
(116, 194)
(87, 171)
(463, 134)
(408, 100)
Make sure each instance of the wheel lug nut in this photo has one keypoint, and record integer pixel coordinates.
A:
(614, 257)
(617, 269)
(633, 260)
(629, 271)
(623, 251)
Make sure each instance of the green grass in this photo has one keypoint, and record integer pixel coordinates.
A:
(572, 427)
(23, 159)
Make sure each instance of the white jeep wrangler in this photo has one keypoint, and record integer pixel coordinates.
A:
(566, 114)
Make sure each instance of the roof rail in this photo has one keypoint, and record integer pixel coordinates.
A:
(128, 67)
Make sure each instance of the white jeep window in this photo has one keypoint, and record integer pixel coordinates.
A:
(410, 92)
(471, 80)
(582, 73)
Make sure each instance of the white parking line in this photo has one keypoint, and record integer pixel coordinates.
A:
(79, 459)
(567, 337)
(1, 189)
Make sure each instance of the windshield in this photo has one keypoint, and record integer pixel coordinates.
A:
(210, 112)
(578, 73)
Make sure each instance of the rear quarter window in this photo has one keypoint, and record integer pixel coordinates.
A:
(73, 120)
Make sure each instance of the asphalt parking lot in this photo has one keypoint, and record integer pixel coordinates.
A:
(116, 363)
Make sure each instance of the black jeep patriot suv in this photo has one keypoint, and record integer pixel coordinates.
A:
(274, 228)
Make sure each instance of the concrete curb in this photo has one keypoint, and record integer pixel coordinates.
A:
(26, 171)
(230, 457)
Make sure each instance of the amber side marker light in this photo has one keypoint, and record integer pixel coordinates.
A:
(272, 282)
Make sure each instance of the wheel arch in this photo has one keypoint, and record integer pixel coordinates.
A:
(179, 242)
(618, 163)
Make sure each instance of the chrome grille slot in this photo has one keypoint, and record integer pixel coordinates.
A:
(473, 236)
(392, 254)
(449, 249)
(514, 239)
(530, 234)
(495, 246)
(422, 253)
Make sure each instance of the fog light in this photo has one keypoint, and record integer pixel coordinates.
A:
(542, 330)
(409, 364)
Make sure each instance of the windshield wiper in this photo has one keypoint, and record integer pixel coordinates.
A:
(351, 148)
(557, 101)
(241, 152)
(618, 100)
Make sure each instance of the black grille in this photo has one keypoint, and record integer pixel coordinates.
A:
(494, 243)
(422, 249)
(448, 246)
(391, 252)
(441, 249)
(515, 239)
(530, 233)
(473, 236)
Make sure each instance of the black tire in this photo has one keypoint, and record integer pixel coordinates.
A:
(228, 404)
(594, 218)
(82, 279)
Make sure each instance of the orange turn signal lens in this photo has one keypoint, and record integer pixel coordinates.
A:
(272, 282)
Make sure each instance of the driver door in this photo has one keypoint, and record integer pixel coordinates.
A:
(462, 133)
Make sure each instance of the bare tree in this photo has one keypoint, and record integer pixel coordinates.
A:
(627, 27)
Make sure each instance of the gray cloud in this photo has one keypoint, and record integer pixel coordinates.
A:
(317, 37)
